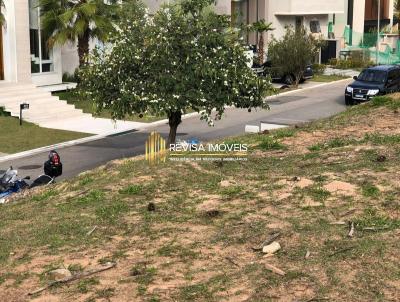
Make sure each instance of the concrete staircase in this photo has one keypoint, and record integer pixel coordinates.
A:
(49, 111)
(43, 107)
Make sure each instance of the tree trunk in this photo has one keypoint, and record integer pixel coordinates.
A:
(261, 49)
(297, 79)
(174, 119)
(83, 47)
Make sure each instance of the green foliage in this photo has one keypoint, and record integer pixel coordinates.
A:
(369, 190)
(270, 143)
(319, 69)
(294, 52)
(260, 26)
(131, 190)
(183, 58)
(77, 20)
(2, 18)
(350, 63)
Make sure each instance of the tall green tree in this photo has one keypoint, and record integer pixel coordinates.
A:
(2, 18)
(397, 12)
(294, 52)
(77, 21)
(261, 27)
(185, 57)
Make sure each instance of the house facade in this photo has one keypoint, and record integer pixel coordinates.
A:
(25, 56)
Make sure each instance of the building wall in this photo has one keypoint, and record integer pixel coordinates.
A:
(222, 7)
(16, 46)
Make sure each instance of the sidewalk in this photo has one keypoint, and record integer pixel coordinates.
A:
(99, 126)
(341, 72)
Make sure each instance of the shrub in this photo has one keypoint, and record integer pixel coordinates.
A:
(319, 68)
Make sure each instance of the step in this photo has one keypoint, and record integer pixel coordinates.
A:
(15, 87)
(24, 93)
(54, 110)
(41, 107)
(34, 99)
(45, 120)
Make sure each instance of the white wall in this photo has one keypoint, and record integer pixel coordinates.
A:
(16, 41)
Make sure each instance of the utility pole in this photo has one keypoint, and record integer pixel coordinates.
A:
(378, 30)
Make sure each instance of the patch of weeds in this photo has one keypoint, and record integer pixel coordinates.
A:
(131, 190)
(144, 275)
(85, 284)
(112, 212)
(372, 218)
(269, 143)
(196, 292)
(118, 255)
(337, 142)
(93, 197)
(380, 101)
(171, 249)
(86, 180)
(44, 196)
(316, 192)
(75, 268)
(231, 191)
(284, 132)
(370, 190)
(320, 178)
(105, 293)
(312, 155)
(379, 139)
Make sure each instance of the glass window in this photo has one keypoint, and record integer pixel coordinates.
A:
(315, 27)
(239, 13)
(41, 55)
(369, 75)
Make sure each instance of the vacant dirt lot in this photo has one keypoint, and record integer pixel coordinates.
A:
(328, 193)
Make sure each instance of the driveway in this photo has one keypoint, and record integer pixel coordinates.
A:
(298, 107)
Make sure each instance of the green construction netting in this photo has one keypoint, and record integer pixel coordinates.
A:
(365, 43)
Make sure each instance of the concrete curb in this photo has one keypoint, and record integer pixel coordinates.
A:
(150, 125)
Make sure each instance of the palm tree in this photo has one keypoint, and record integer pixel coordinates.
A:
(78, 21)
(2, 18)
(261, 27)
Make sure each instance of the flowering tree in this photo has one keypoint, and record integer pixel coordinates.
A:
(184, 57)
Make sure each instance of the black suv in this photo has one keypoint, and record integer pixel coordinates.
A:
(373, 81)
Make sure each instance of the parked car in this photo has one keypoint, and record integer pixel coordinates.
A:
(373, 81)
(276, 73)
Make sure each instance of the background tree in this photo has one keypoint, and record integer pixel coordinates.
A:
(77, 21)
(261, 27)
(396, 13)
(2, 18)
(184, 57)
(294, 52)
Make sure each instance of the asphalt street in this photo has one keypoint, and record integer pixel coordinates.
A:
(296, 108)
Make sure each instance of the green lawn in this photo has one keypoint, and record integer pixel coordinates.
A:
(15, 138)
(327, 78)
(87, 107)
(200, 240)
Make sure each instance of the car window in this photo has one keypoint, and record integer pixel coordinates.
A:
(392, 75)
(369, 75)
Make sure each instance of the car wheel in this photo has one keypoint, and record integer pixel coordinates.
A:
(288, 79)
(349, 101)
